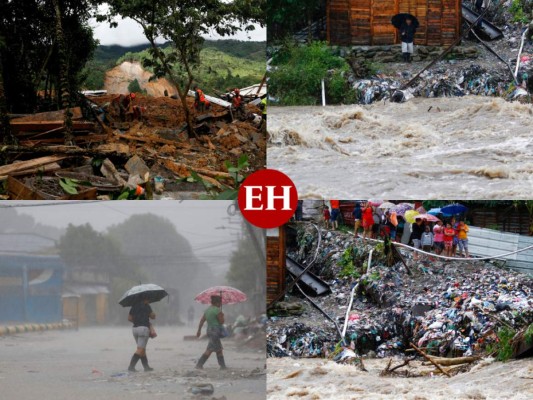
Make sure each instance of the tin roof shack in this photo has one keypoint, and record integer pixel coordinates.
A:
(30, 288)
(368, 22)
(86, 295)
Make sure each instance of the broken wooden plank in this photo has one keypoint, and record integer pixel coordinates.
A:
(20, 191)
(45, 168)
(153, 140)
(454, 361)
(24, 165)
(184, 171)
(429, 359)
(41, 126)
(213, 174)
(50, 116)
(78, 140)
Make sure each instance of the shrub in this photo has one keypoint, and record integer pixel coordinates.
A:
(299, 70)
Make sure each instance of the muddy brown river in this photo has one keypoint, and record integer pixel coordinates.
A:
(462, 147)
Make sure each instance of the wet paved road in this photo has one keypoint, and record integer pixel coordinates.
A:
(92, 364)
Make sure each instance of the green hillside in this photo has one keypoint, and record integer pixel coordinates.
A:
(224, 64)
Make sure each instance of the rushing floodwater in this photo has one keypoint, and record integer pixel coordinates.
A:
(468, 147)
(318, 379)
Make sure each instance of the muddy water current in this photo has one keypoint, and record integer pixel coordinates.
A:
(468, 147)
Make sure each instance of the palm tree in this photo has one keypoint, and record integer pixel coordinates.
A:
(64, 91)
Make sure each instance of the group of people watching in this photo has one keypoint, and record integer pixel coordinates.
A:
(442, 238)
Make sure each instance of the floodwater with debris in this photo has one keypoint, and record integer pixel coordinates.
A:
(319, 379)
(425, 148)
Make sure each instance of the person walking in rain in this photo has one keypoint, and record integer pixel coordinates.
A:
(215, 320)
(407, 34)
(140, 315)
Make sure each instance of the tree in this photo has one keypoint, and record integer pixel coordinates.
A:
(182, 23)
(5, 132)
(286, 17)
(134, 87)
(166, 256)
(247, 266)
(48, 43)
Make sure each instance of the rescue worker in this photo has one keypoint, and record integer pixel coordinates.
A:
(200, 102)
(123, 105)
(138, 112)
(237, 102)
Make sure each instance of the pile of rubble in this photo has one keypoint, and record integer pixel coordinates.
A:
(444, 307)
(110, 159)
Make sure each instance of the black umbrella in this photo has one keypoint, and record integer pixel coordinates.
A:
(137, 293)
(399, 19)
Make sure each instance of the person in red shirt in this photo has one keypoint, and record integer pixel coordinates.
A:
(335, 212)
(327, 216)
(368, 221)
(449, 234)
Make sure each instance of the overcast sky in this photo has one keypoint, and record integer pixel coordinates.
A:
(207, 225)
(129, 33)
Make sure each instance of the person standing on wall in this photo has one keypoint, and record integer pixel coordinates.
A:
(335, 212)
(407, 34)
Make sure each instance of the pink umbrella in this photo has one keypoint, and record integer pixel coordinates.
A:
(375, 202)
(229, 295)
(421, 210)
(428, 217)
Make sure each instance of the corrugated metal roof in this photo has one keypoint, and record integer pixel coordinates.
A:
(28, 243)
(79, 289)
(15, 261)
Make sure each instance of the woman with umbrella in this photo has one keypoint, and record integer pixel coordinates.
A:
(139, 299)
(140, 315)
(215, 321)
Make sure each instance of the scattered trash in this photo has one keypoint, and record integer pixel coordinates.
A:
(445, 307)
(203, 389)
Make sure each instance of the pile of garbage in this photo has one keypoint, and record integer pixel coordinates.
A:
(473, 80)
(444, 307)
(155, 156)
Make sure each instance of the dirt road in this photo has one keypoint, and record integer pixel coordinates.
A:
(92, 364)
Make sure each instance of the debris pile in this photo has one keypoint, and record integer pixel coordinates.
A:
(109, 157)
(472, 80)
(446, 308)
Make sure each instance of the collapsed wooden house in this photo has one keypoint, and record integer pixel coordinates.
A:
(368, 22)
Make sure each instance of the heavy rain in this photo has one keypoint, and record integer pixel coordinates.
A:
(65, 266)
